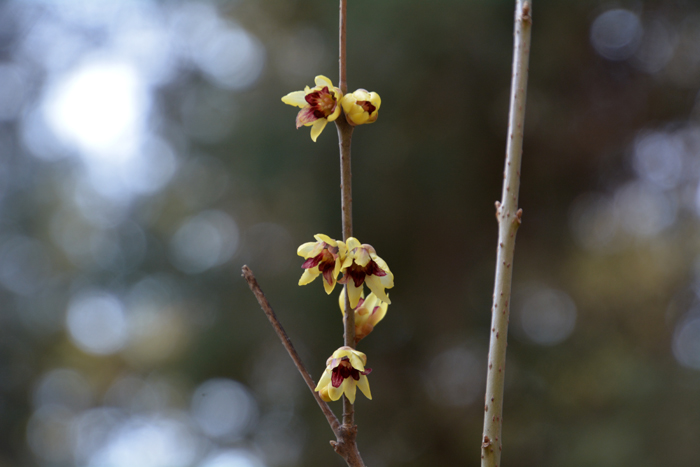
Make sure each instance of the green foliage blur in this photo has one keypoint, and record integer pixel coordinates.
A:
(128, 337)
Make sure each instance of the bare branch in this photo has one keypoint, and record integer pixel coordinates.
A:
(509, 219)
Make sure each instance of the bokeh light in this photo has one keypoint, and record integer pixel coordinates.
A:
(616, 34)
(224, 409)
(544, 315)
(97, 323)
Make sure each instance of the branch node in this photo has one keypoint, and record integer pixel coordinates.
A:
(525, 15)
(519, 216)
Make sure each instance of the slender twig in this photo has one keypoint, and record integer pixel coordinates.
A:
(342, 42)
(345, 436)
(344, 140)
(509, 219)
(287, 343)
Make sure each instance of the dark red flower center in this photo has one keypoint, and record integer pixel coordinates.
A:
(366, 106)
(346, 370)
(325, 262)
(322, 102)
(358, 273)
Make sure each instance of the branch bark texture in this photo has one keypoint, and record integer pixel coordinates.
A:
(509, 219)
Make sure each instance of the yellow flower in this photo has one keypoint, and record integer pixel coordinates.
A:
(361, 106)
(323, 257)
(362, 265)
(319, 105)
(368, 312)
(345, 372)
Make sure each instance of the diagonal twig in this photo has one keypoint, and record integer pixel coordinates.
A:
(287, 343)
(344, 444)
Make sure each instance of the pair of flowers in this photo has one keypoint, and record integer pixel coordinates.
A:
(322, 103)
(359, 264)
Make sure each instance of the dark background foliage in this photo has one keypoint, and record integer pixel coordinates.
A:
(146, 156)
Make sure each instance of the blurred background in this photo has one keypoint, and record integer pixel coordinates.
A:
(145, 156)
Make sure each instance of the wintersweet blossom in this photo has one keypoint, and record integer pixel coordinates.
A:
(345, 372)
(319, 105)
(363, 266)
(361, 106)
(368, 312)
(323, 257)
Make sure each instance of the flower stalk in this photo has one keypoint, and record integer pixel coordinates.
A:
(344, 140)
(509, 219)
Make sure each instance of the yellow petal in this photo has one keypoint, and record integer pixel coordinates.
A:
(356, 360)
(335, 113)
(352, 243)
(362, 257)
(329, 287)
(347, 262)
(322, 81)
(371, 301)
(359, 118)
(361, 95)
(325, 379)
(363, 384)
(388, 280)
(375, 100)
(379, 315)
(349, 388)
(342, 250)
(306, 249)
(347, 102)
(326, 239)
(354, 292)
(296, 98)
(335, 393)
(341, 352)
(376, 287)
(317, 128)
(308, 276)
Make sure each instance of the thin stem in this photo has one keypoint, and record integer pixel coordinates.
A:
(344, 140)
(287, 343)
(342, 43)
(509, 219)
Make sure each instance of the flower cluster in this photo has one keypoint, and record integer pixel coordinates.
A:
(345, 372)
(322, 104)
(358, 264)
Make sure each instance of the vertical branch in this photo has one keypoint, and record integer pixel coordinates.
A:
(509, 219)
(344, 139)
(343, 78)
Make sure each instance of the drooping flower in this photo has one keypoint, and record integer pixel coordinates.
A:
(323, 257)
(363, 266)
(319, 105)
(368, 312)
(361, 107)
(345, 372)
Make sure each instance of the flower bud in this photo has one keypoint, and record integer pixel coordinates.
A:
(361, 107)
